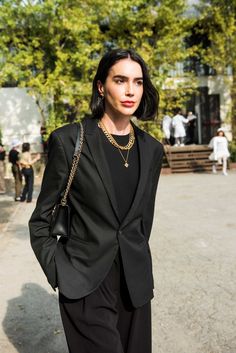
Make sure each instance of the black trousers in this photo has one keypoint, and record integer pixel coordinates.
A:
(29, 184)
(105, 321)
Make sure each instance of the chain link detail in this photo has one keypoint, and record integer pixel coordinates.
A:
(74, 166)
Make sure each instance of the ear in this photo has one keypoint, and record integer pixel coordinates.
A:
(100, 88)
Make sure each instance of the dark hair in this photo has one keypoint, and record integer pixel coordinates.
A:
(219, 131)
(177, 111)
(25, 147)
(148, 106)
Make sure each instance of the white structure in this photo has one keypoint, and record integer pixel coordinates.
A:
(19, 118)
(220, 85)
(212, 103)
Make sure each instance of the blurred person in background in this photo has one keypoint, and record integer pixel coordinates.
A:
(220, 153)
(27, 171)
(190, 128)
(2, 169)
(166, 127)
(178, 123)
(14, 158)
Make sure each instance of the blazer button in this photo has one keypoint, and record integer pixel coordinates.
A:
(120, 232)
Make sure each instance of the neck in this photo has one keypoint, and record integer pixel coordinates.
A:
(116, 126)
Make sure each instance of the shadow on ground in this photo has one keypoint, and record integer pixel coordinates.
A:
(6, 209)
(32, 322)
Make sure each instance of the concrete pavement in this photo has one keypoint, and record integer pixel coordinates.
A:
(193, 246)
(194, 252)
(29, 309)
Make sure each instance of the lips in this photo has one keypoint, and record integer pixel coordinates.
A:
(128, 104)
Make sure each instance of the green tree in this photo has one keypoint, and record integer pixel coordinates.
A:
(218, 22)
(50, 47)
(158, 31)
(53, 47)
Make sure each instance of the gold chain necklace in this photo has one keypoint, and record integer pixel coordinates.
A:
(113, 141)
(126, 164)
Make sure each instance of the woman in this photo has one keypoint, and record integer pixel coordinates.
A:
(27, 171)
(220, 152)
(178, 122)
(166, 127)
(104, 272)
(14, 158)
(2, 169)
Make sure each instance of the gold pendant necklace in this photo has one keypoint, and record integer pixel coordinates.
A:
(126, 164)
(115, 144)
(113, 141)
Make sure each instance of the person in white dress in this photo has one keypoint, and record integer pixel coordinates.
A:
(166, 127)
(178, 122)
(220, 152)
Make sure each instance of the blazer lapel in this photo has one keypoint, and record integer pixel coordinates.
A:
(94, 142)
(143, 173)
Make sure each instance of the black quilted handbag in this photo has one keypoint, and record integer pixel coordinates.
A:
(61, 213)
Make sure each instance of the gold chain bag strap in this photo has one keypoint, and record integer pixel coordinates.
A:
(61, 214)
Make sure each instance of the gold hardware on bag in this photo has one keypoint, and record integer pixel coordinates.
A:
(74, 166)
(60, 218)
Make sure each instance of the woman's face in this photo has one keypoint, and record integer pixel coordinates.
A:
(123, 88)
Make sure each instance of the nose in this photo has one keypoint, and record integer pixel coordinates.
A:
(129, 89)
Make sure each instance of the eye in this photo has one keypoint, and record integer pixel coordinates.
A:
(139, 82)
(119, 81)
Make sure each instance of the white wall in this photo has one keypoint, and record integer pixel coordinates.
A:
(219, 85)
(20, 118)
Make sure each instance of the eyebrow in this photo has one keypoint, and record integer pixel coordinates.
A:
(125, 77)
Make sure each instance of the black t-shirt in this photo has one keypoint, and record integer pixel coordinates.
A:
(13, 156)
(125, 180)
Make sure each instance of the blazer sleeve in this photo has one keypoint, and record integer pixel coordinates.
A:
(149, 210)
(54, 182)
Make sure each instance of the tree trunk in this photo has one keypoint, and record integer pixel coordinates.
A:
(233, 112)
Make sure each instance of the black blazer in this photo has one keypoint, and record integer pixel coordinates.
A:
(79, 266)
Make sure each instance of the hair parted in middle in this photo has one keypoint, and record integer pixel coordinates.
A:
(148, 106)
